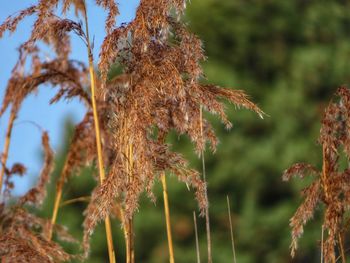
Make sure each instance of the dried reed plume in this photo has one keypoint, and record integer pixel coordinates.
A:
(330, 186)
(23, 235)
(129, 115)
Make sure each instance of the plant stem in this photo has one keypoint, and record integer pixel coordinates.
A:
(196, 234)
(127, 229)
(5, 153)
(126, 234)
(231, 229)
(131, 240)
(131, 223)
(128, 222)
(324, 180)
(127, 237)
(59, 189)
(207, 219)
(75, 200)
(322, 243)
(342, 253)
(102, 175)
(167, 218)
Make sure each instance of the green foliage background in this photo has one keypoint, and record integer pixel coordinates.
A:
(289, 56)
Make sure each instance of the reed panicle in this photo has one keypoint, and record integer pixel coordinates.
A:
(330, 185)
(20, 240)
(128, 117)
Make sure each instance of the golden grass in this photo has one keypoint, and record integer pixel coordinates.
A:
(111, 252)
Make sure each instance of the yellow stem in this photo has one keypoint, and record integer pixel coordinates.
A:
(75, 200)
(131, 240)
(167, 219)
(128, 225)
(58, 204)
(58, 197)
(102, 175)
(131, 223)
(324, 181)
(126, 235)
(342, 253)
(207, 219)
(5, 154)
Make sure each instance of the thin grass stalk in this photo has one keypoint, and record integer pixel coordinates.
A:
(207, 219)
(131, 223)
(126, 233)
(196, 235)
(324, 172)
(231, 229)
(324, 179)
(322, 234)
(127, 239)
(167, 219)
(341, 248)
(126, 229)
(5, 153)
(128, 223)
(58, 197)
(111, 252)
(131, 245)
(75, 200)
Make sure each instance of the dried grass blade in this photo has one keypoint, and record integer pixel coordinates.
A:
(231, 229)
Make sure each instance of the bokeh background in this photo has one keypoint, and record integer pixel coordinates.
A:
(290, 56)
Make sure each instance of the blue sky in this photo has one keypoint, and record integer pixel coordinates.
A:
(26, 138)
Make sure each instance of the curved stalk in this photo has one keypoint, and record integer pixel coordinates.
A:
(5, 153)
(231, 230)
(196, 235)
(75, 200)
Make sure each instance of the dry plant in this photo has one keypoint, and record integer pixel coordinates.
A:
(330, 187)
(127, 121)
(23, 235)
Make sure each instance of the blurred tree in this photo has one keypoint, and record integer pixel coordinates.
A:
(289, 56)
